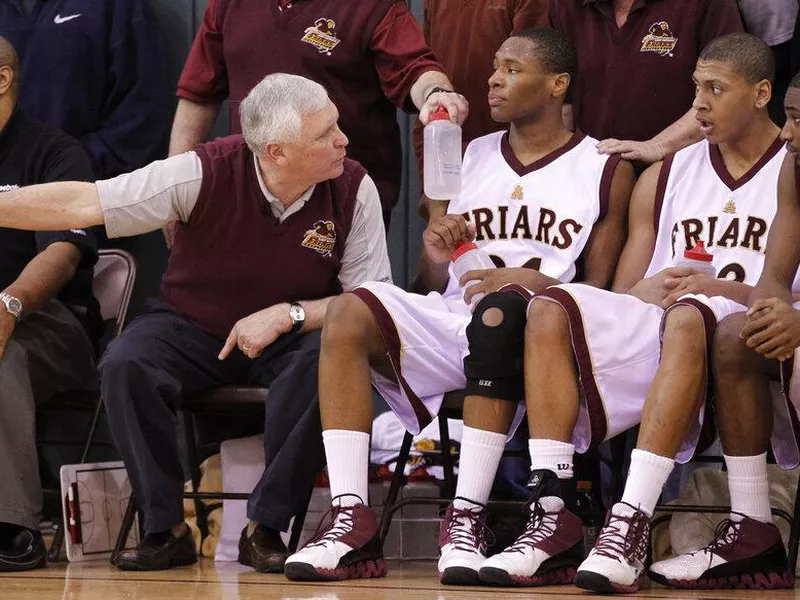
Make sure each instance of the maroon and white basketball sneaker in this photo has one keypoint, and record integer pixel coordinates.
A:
(463, 538)
(744, 554)
(346, 547)
(548, 551)
(616, 562)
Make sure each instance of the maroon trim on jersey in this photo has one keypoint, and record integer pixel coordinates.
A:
(708, 430)
(519, 289)
(391, 340)
(598, 423)
(522, 170)
(606, 180)
(787, 369)
(722, 171)
(661, 189)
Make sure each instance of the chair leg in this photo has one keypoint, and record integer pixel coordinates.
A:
(297, 526)
(397, 480)
(92, 430)
(794, 531)
(449, 487)
(194, 466)
(125, 528)
(58, 541)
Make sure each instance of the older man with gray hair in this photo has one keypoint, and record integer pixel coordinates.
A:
(272, 225)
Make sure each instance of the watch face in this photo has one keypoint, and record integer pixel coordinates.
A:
(14, 305)
(297, 313)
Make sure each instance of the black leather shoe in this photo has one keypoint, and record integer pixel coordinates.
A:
(264, 550)
(21, 549)
(159, 551)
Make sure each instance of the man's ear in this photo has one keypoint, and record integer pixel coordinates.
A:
(763, 91)
(6, 79)
(560, 84)
(276, 153)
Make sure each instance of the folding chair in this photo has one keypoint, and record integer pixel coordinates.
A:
(246, 401)
(112, 285)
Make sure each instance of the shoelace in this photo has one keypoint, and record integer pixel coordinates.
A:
(614, 544)
(470, 534)
(725, 536)
(341, 522)
(540, 526)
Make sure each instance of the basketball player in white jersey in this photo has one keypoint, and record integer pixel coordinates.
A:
(537, 198)
(598, 362)
(748, 550)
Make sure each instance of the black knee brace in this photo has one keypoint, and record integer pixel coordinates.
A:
(494, 364)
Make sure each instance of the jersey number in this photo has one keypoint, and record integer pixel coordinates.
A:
(732, 272)
(534, 263)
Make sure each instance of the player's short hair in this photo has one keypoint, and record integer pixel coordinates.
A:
(556, 52)
(749, 55)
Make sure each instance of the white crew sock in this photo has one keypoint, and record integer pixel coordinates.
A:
(646, 479)
(347, 453)
(477, 465)
(747, 481)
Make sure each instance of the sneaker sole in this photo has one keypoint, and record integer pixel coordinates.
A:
(499, 577)
(296, 571)
(459, 576)
(746, 581)
(595, 582)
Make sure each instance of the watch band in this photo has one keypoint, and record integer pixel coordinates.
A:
(12, 304)
(438, 89)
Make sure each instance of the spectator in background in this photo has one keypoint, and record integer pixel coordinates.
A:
(45, 276)
(370, 55)
(464, 36)
(293, 223)
(773, 21)
(634, 88)
(95, 70)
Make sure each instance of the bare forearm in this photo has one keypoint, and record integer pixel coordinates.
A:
(315, 313)
(425, 83)
(769, 287)
(430, 277)
(192, 123)
(43, 277)
(680, 134)
(51, 207)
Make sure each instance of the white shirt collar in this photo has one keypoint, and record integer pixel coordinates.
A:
(277, 207)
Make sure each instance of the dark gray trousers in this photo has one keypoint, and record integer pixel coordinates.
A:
(49, 353)
(161, 358)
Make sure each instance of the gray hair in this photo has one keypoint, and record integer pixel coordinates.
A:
(273, 111)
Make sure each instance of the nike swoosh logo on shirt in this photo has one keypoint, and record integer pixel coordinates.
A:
(59, 19)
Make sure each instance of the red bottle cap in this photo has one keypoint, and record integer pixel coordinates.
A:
(465, 247)
(698, 252)
(440, 114)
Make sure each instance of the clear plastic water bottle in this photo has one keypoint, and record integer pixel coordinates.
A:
(442, 157)
(468, 257)
(590, 512)
(698, 259)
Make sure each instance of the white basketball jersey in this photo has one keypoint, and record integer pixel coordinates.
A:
(540, 216)
(702, 202)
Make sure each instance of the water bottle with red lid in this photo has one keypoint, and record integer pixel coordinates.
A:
(442, 157)
(699, 259)
(468, 257)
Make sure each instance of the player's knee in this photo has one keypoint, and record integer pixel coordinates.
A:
(730, 353)
(547, 323)
(347, 319)
(496, 337)
(684, 325)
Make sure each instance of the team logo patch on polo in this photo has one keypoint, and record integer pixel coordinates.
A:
(659, 39)
(322, 35)
(322, 238)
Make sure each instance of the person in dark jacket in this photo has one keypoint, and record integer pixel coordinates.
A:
(94, 70)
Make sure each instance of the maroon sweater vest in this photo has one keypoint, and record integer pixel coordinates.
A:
(234, 258)
(297, 41)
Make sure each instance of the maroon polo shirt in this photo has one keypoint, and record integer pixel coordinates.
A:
(465, 36)
(367, 54)
(636, 80)
(233, 257)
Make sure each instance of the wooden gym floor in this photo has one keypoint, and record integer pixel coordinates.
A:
(230, 581)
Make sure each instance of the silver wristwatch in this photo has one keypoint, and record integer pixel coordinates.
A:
(298, 315)
(13, 305)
